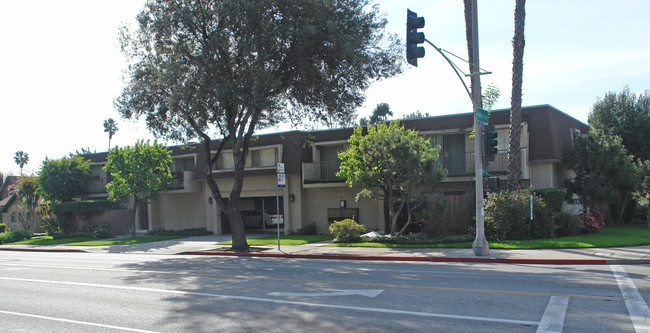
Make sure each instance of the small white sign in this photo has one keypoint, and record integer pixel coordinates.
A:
(282, 180)
(280, 167)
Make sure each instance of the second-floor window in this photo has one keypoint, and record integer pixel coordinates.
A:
(451, 152)
(257, 158)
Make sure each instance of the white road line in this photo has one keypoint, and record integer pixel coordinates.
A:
(276, 301)
(636, 305)
(75, 322)
(553, 318)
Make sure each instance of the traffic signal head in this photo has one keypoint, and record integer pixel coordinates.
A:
(490, 138)
(413, 37)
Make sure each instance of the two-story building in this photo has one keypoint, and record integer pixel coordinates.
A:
(313, 193)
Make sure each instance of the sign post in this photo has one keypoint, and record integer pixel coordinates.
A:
(282, 182)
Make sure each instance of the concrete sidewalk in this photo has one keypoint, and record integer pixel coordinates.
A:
(206, 245)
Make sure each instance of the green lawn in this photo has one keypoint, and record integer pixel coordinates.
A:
(625, 235)
(48, 240)
(284, 240)
(124, 241)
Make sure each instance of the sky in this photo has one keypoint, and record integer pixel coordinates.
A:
(61, 67)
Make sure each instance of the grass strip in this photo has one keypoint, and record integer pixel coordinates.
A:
(125, 241)
(284, 240)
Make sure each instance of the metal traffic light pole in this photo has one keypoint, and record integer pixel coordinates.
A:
(480, 246)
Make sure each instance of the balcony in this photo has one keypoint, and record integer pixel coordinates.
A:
(182, 181)
(318, 173)
(462, 164)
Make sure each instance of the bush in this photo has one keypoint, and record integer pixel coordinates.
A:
(591, 222)
(53, 226)
(14, 236)
(308, 229)
(566, 224)
(103, 231)
(507, 217)
(184, 232)
(3, 227)
(553, 197)
(347, 231)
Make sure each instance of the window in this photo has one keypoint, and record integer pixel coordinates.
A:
(225, 161)
(182, 164)
(451, 152)
(263, 157)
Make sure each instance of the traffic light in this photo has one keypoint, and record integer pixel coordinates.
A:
(413, 37)
(490, 137)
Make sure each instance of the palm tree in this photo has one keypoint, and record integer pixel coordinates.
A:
(110, 126)
(514, 149)
(21, 159)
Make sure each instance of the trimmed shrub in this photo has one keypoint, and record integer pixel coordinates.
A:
(591, 222)
(566, 224)
(14, 236)
(3, 227)
(507, 217)
(553, 197)
(347, 231)
(54, 226)
(103, 231)
(308, 229)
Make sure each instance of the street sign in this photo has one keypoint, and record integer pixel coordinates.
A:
(485, 171)
(280, 167)
(282, 180)
(482, 116)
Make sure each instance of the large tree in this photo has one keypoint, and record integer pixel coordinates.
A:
(627, 116)
(64, 179)
(390, 159)
(233, 66)
(140, 171)
(21, 158)
(644, 188)
(514, 147)
(30, 200)
(605, 173)
(110, 127)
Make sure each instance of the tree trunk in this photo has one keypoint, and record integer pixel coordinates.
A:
(514, 148)
(386, 213)
(135, 211)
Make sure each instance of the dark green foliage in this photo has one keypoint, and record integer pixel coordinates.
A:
(12, 236)
(3, 227)
(65, 179)
(88, 207)
(507, 217)
(626, 116)
(566, 224)
(308, 229)
(605, 173)
(553, 197)
(58, 224)
(347, 231)
(184, 232)
(421, 239)
(103, 231)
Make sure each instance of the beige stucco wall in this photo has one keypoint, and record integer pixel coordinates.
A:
(318, 200)
(542, 175)
(178, 211)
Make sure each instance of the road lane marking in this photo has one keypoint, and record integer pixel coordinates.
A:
(277, 301)
(349, 283)
(75, 322)
(553, 318)
(636, 305)
(333, 292)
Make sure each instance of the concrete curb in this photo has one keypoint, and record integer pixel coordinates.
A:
(39, 250)
(411, 258)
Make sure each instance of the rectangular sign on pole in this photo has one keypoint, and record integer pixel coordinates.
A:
(282, 180)
(280, 168)
(482, 116)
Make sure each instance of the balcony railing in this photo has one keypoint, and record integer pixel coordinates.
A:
(462, 164)
(321, 173)
(177, 182)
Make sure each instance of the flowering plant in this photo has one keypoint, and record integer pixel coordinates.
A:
(591, 222)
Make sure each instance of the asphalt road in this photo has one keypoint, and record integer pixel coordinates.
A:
(99, 292)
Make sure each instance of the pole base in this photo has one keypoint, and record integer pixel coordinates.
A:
(481, 247)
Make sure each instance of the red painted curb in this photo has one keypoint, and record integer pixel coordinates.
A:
(400, 258)
(39, 250)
